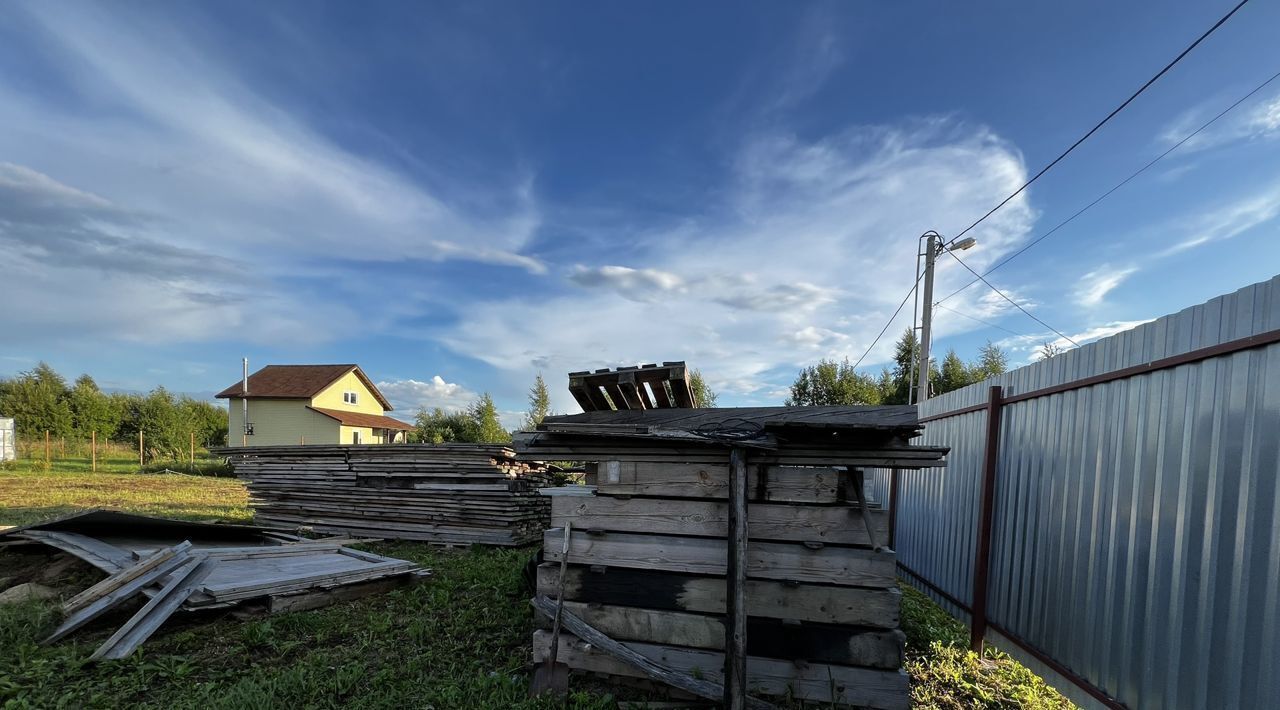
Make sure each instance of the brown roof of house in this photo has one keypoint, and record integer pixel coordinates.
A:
(298, 382)
(377, 421)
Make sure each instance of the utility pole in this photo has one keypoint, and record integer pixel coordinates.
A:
(931, 252)
(926, 317)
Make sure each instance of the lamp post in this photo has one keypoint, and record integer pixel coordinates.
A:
(932, 249)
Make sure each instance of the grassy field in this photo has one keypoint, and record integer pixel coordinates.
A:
(112, 457)
(28, 496)
(460, 640)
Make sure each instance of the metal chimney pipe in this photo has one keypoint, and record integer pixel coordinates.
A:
(244, 404)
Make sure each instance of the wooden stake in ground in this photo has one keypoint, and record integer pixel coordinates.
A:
(193, 452)
(62, 448)
(140, 462)
(46, 447)
(93, 451)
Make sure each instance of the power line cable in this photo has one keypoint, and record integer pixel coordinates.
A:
(1104, 121)
(979, 320)
(1010, 300)
(1118, 185)
(892, 318)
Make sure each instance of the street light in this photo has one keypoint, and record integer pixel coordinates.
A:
(930, 252)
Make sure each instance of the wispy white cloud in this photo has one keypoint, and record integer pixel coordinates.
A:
(92, 269)
(1029, 346)
(810, 249)
(1259, 120)
(182, 169)
(1227, 220)
(1095, 285)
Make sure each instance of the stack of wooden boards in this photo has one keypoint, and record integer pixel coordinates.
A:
(446, 493)
(648, 549)
(183, 565)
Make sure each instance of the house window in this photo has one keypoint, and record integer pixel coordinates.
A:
(355, 437)
(351, 397)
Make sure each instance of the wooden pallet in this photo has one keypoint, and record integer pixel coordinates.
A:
(633, 388)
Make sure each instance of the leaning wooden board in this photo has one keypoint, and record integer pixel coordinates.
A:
(856, 606)
(765, 560)
(818, 682)
(768, 638)
(840, 525)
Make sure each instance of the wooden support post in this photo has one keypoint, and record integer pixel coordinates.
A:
(193, 452)
(93, 451)
(141, 463)
(982, 557)
(62, 448)
(46, 447)
(893, 508)
(735, 646)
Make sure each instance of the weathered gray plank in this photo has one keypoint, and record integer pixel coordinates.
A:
(643, 665)
(673, 480)
(104, 556)
(699, 555)
(139, 628)
(318, 598)
(122, 578)
(118, 588)
(836, 417)
(708, 518)
(843, 645)
(854, 606)
(817, 682)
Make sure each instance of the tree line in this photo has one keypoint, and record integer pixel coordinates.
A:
(40, 400)
(830, 382)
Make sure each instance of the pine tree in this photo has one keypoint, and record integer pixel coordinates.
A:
(906, 374)
(954, 375)
(485, 414)
(992, 361)
(539, 404)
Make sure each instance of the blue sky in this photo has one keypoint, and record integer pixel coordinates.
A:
(460, 195)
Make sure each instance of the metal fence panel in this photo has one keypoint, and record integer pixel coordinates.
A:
(1136, 534)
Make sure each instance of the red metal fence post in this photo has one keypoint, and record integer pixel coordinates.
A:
(982, 557)
(893, 509)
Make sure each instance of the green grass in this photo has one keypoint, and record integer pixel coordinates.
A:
(459, 640)
(28, 496)
(113, 457)
(946, 675)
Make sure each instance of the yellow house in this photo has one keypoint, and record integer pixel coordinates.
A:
(311, 404)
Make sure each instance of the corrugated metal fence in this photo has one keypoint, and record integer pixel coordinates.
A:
(1136, 512)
